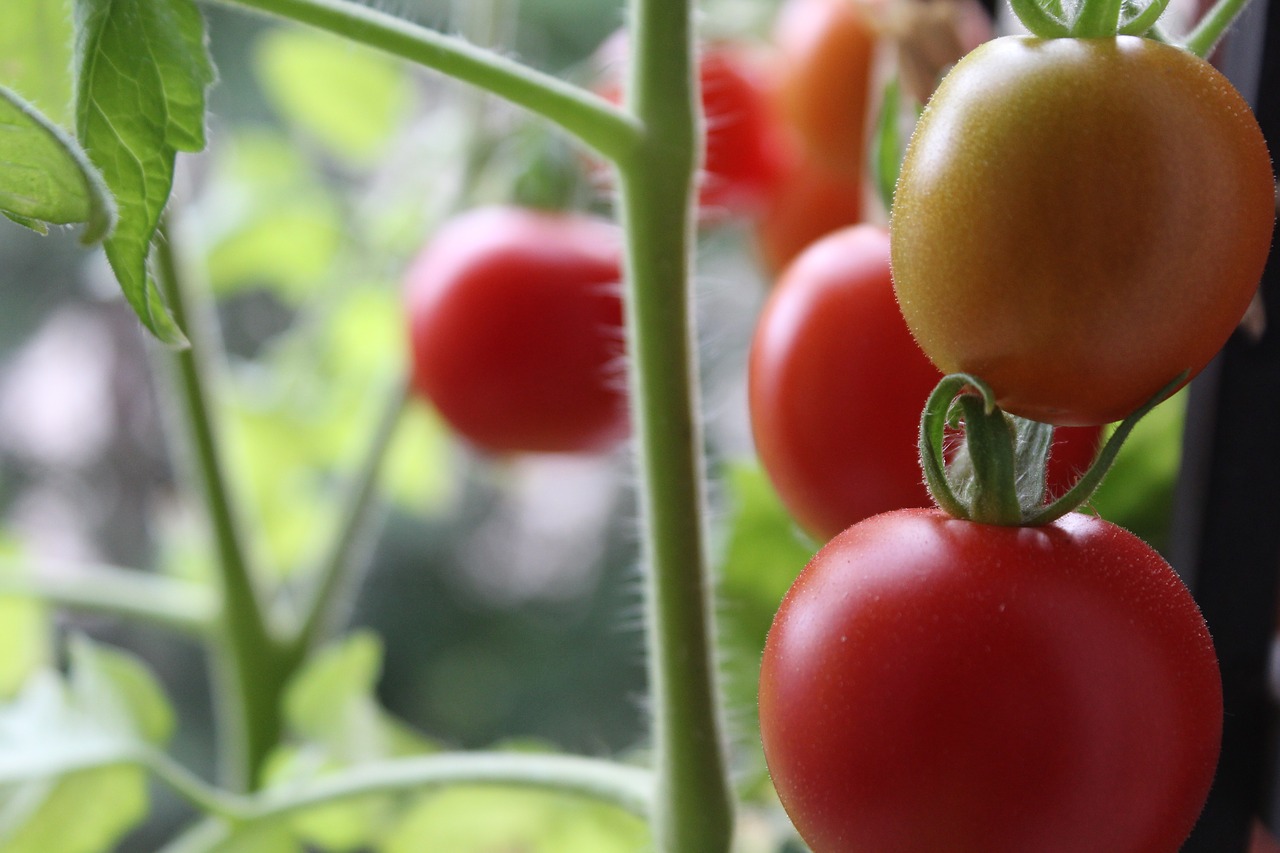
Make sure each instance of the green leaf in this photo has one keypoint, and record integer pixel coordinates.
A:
(349, 99)
(35, 54)
(24, 634)
(45, 177)
(69, 780)
(335, 720)
(87, 812)
(142, 72)
(214, 835)
(483, 820)
(1138, 491)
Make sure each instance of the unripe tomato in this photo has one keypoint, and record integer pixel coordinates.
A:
(1079, 221)
(931, 684)
(515, 326)
(836, 388)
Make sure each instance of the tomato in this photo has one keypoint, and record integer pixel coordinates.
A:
(1079, 221)
(515, 326)
(931, 684)
(809, 201)
(743, 146)
(823, 69)
(836, 387)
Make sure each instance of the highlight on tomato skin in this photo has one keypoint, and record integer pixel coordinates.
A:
(836, 385)
(934, 684)
(1079, 284)
(516, 330)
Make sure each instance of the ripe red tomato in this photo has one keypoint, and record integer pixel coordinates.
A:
(836, 388)
(1079, 221)
(515, 325)
(823, 69)
(743, 145)
(931, 684)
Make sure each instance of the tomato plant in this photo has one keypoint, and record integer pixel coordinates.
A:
(515, 326)
(936, 684)
(836, 387)
(1079, 221)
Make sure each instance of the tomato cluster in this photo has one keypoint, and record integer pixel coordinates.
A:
(837, 385)
(1079, 224)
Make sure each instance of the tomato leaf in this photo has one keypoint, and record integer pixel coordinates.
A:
(66, 783)
(47, 178)
(887, 143)
(335, 721)
(142, 71)
(35, 54)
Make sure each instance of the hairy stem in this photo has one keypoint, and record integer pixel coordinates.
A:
(693, 811)
(1209, 30)
(245, 654)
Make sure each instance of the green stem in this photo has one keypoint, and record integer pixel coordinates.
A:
(1206, 34)
(1097, 19)
(183, 606)
(627, 788)
(245, 654)
(589, 117)
(357, 518)
(606, 780)
(693, 808)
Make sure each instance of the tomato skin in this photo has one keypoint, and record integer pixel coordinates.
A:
(823, 68)
(933, 684)
(1079, 221)
(515, 328)
(836, 386)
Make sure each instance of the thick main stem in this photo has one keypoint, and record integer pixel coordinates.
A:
(693, 809)
(246, 660)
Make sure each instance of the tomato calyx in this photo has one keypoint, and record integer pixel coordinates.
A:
(998, 475)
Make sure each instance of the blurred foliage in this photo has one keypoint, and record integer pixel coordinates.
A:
(107, 705)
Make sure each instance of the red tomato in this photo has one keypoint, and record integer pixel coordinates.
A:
(742, 141)
(1079, 221)
(837, 385)
(823, 68)
(515, 325)
(931, 685)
